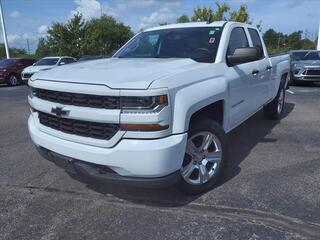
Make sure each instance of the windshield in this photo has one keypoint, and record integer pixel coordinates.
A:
(8, 62)
(305, 55)
(47, 61)
(200, 44)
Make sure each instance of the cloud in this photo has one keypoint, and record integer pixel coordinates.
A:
(124, 5)
(43, 29)
(15, 14)
(165, 14)
(88, 8)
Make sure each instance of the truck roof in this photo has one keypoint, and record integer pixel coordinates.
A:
(188, 25)
(197, 24)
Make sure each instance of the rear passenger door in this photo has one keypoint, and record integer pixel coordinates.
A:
(261, 85)
(240, 77)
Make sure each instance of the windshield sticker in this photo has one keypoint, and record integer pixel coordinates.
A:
(211, 40)
(211, 32)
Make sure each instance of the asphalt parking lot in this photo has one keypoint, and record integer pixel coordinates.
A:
(270, 189)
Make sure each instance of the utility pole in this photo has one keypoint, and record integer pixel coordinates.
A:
(279, 41)
(4, 32)
(318, 47)
(28, 45)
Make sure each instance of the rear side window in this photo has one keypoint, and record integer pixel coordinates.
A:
(70, 60)
(238, 39)
(256, 41)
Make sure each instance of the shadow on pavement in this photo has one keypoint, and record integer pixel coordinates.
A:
(241, 142)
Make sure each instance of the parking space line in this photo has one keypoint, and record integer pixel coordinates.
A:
(291, 92)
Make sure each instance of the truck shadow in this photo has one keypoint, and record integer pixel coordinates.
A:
(241, 141)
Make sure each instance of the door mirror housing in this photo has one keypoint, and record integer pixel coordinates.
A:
(62, 63)
(243, 55)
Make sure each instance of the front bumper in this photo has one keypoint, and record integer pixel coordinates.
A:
(130, 158)
(104, 174)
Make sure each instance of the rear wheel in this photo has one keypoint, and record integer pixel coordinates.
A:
(13, 80)
(204, 157)
(274, 109)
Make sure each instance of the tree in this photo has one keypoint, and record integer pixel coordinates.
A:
(42, 49)
(241, 15)
(278, 42)
(209, 14)
(202, 14)
(183, 19)
(14, 52)
(104, 35)
(98, 36)
(67, 39)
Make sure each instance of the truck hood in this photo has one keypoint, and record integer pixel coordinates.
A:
(34, 69)
(308, 63)
(118, 73)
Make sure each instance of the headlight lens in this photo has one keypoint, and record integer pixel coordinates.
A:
(32, 92)
(133, 104)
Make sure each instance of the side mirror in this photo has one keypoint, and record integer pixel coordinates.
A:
(34, 64)
(62, 63)
(243, 55)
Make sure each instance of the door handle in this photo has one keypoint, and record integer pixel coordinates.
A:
(255, 71)
(268, 67)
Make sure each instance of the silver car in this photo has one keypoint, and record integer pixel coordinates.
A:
(305, 65)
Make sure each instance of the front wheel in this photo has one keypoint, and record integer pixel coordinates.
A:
(204, 157)
(274, 109)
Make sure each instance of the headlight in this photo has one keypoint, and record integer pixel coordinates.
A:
(143, 104)
(32, 92)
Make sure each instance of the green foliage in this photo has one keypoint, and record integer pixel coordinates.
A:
(241, 15)
(14, 52)
(209, 14)
(43, 49)
(104, 35)
(202, 14)
(278, 42)
(183, 19)
(98, 36)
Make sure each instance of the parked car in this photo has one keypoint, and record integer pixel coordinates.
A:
(305, 66)
(90, 57)
(158, 111)
(10, 69)
(45, 64)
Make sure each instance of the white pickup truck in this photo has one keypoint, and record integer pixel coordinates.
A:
(158, 111)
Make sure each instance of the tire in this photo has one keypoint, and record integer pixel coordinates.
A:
(12, 80)
(274, 109)
(201, 156)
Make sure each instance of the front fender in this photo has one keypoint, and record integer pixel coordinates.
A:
(192, 98)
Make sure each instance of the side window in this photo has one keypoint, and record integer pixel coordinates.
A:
(71, 60)
(238, 39)
(63, 61)
(256, 41)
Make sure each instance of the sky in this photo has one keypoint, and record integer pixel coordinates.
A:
(28, 20)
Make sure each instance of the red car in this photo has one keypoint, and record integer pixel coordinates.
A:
(10, 69)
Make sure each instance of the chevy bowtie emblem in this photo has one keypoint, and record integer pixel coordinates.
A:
(59, 112)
